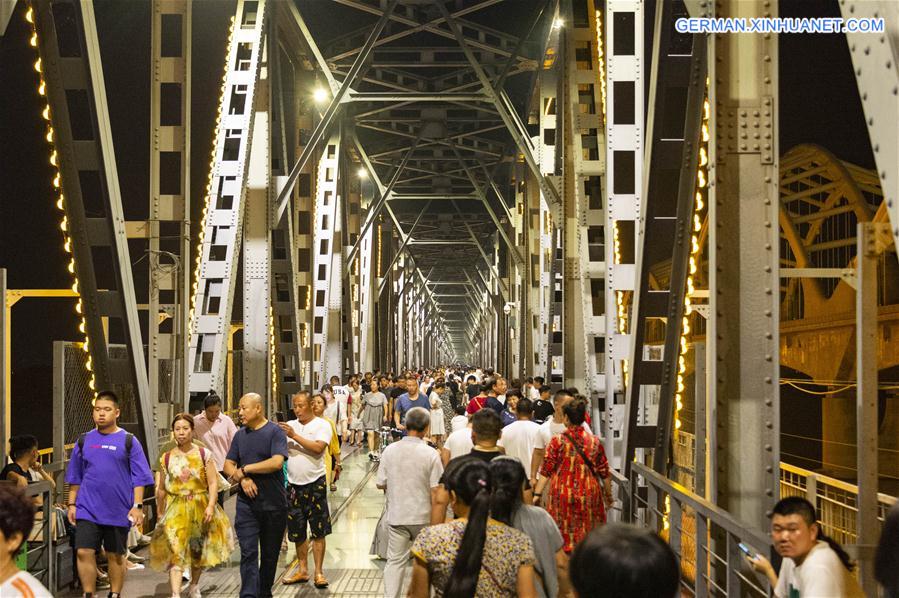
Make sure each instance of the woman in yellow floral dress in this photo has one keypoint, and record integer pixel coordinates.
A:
(193, 530)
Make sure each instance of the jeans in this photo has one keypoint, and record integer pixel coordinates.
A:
(258, 531)
(399, 546)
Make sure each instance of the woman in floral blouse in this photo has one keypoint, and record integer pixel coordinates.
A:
(577, 473)
(473, 556)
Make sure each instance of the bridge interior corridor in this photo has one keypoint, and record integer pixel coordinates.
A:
(693, 231)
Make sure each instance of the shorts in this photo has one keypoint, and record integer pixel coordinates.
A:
(308, 506)
(92, 535)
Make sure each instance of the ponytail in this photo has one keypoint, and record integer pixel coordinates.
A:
(471, 483)
(835, 546)
(463, 581)
(508, 480)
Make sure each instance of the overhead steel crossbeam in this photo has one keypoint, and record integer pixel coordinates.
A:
(89, 192)
(323, 126)
(680, 63)
(506, 111)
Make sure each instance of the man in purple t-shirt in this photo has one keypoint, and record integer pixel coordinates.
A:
(106, 477)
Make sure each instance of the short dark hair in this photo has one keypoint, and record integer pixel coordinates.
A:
(489, 382)
(471, 378)
(617, 559)
(440, 384)
(576, 410)
(561, 394)
(539, 380)
(212, 400)
(486, 424)
(514, 392)
(460, 410)
(544, 389)
(525, 406)
(16, 514)
(19, 446)
(797, 505)
(107, 395)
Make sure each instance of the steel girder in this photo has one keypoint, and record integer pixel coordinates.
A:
(877, 76)
(168, 307)
(256, 240)
(666, 223)
(88, 183)
(583, 165)
(327, 269)
(223, 221)
(625, 75)
(743, 329)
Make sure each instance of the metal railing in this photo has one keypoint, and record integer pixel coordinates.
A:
(835, 500)
(704, 537)
(41, 553)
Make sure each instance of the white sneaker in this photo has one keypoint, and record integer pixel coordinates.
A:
(194, 592)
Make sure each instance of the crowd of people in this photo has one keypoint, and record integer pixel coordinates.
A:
(492, 490)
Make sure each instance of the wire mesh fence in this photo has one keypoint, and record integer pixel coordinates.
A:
(77, 399)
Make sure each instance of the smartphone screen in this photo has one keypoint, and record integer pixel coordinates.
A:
(745, 549)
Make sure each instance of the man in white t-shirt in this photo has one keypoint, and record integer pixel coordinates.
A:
(813, 564)
(457, 444)
(520, 437)
(340, 408)
(307, 440)
(548, 429)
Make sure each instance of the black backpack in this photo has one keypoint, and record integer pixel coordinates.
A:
(129, 442)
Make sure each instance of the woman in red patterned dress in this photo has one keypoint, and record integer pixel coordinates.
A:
(577, 473)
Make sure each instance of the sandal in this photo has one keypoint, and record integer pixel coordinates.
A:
(298, 577)
(320, 582)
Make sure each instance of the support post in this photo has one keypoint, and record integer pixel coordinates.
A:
(744, 237)
(866, 337)
(6, 372)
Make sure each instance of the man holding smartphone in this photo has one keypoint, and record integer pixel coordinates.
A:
(307, 440)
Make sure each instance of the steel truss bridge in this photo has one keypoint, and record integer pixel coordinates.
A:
(575, 190)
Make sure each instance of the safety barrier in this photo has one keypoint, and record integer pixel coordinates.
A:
(705, 538)
(835, 500)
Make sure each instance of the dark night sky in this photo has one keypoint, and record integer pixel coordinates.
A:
(819, 103)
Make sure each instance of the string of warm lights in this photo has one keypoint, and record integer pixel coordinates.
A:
(601, 63)
(60, 201)
(204, 219)
(273, 358)
(699, 207)
(619, 301)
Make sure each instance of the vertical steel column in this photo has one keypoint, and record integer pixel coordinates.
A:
(257, 254)
(625, 68)
(169, 257)
(744, 261)
(866, 339)
(303, 217)
(5, 369)
(582, 166)
(326, 271)
(223, 216)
